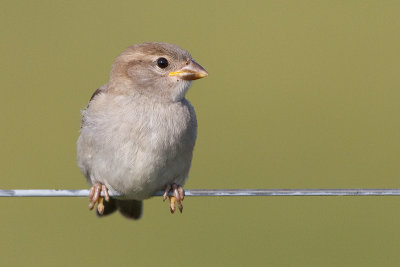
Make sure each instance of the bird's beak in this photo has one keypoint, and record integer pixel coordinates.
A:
(191, 71)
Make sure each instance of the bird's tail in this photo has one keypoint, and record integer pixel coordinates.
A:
(129, 208)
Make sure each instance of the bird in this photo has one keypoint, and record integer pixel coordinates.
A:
(138, 131)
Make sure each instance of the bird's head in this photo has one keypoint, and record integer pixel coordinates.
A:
(158, 70)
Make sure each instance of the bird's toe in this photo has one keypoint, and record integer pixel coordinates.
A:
(178, 195)
(95, 197)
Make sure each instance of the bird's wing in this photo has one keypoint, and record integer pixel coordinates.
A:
(98, 91)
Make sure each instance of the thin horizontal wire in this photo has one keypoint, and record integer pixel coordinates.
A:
(214, 192)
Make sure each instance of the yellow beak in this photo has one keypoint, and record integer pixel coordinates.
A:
(191, 71)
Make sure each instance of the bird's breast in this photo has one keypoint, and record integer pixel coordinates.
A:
(138, 146)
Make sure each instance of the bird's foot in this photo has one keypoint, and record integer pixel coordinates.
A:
(178, 196)
(94, 197)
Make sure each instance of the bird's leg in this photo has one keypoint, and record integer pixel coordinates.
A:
(166, 192)
(178, 196)
(94, 197)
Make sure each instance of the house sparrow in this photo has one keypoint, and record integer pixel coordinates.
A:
(138, 130)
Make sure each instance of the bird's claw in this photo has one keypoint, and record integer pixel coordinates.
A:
(167, 189)
(94, 197)
(178, 196)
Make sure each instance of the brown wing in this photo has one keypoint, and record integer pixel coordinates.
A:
(97, 92)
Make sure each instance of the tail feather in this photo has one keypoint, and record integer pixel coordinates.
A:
(130, 208)
(109, 207)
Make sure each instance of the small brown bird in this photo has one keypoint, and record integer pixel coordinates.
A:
(138, 131)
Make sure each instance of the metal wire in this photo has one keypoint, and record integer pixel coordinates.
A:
(214, 192)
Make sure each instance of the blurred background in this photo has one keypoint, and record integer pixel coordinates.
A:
(301, 94)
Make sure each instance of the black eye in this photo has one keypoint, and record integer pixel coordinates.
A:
(162, 62)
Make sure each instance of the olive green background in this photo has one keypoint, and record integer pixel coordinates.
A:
(300, 94)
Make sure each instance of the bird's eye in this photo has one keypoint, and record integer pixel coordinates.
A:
(162, 62)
